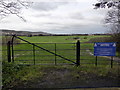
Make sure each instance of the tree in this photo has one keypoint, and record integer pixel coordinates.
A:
(112, 18)
(107, 3)
(113, 15)
(8, 7)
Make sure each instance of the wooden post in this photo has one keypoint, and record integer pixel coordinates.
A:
(78, 53)
(96, 61)
(12, 48)
(34, 54)
(9, 51)
(111, 61)
(55, 55)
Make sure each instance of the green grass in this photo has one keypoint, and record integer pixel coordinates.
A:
(58, 39)
(15, 74)
(40, 54)
(48, 42)
(27, 76)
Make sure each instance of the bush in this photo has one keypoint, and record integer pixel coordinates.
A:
(9, 71)
(76, 38)
(85, 37)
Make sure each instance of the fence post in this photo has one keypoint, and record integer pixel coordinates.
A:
(96, 61)
(12, 48)
(78, 53)
(9, 51)
(55, 55)
(34, 54)
(111, 61)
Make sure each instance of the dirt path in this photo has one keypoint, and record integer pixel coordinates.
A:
(66, 78)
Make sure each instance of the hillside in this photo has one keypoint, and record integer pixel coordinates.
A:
(22, 33)
(28, 33)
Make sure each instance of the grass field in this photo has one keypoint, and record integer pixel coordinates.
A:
(15, 75)
(64, 46)
(58, 39)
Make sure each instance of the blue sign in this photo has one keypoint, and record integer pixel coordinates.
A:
(104, 49)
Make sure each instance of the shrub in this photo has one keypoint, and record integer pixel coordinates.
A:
(76, 38)
(85, 37)
(9, 71)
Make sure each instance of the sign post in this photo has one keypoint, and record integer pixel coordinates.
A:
(105, 49)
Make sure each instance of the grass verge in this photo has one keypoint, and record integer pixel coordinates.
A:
(65, 76)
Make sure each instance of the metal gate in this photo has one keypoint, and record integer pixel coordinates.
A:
(79, 53)
(43, 53)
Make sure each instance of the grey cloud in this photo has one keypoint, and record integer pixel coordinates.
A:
(46, 6)
(76, 15)
(42, 15)
(51, 23)
(80, 29)
(4, 21)
(74, 27)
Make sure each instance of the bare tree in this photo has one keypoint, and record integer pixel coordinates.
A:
(107, 3)
(8, 7)
(112, 18)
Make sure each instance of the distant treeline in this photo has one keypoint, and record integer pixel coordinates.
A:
(77, 34)
(30, 35)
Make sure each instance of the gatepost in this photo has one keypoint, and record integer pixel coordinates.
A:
(78, 53)
(9, 51)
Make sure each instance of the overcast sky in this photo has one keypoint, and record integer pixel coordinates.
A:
(59, 17)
